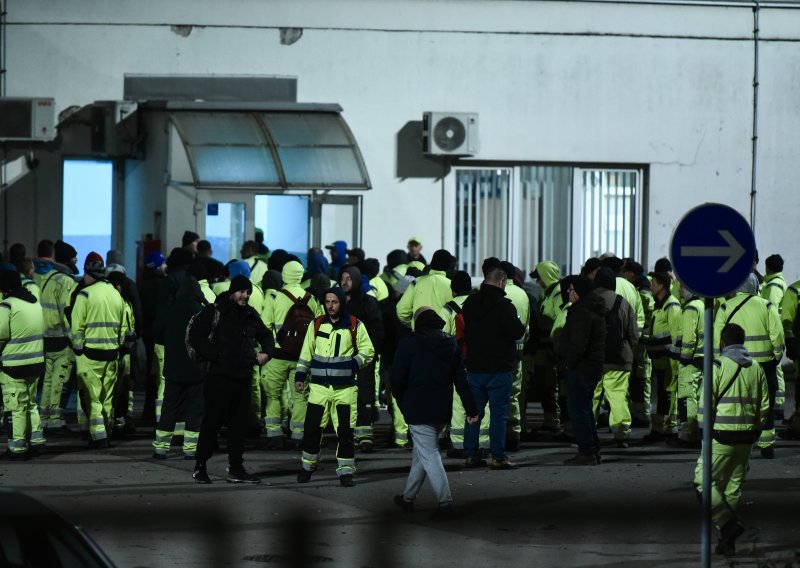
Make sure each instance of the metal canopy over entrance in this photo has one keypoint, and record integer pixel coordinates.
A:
(289, 146)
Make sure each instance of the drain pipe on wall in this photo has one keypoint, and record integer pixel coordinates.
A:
(754, 139)
(3, 165)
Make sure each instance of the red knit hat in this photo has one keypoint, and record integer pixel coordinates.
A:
(93, 265)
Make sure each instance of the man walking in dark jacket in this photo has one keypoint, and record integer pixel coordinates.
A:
(491, 329)
(226, 335)
(426, 368)
(581, 352)
(367, 310)
(183, 391)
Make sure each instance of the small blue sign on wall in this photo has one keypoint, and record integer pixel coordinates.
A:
(712, 250)
(212, 209)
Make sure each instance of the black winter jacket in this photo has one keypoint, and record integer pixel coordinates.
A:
(426, 366)
(492, 328)
(582, 343)
(178, 366)
(231, 352)
(366, 309)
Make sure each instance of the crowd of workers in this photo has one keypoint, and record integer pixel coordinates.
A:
(266, 346)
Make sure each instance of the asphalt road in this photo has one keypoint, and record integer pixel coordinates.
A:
(636, 509)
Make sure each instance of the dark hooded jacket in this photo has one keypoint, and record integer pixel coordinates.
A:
(492, 329)
(231, 349)
(178, 366)
(582, 343)
(365, 308)
(335, 267)
(426, 367)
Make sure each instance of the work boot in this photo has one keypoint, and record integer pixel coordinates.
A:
(366, 446)
(200, 474)
(98, 444)
(583, 459)
(304, 475)
(158, 456)
(237, 474)
(768, 453)
(728, 534)
(504, 463)
(346, 480)
(275, 443)
(474, 462)
(406, 506)
(15, 456)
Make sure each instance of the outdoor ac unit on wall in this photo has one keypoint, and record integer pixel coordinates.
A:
(450, 133)
(27, 119)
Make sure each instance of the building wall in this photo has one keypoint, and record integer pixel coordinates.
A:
(669, 86)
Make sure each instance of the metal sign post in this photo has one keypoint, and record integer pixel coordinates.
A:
(712, 252)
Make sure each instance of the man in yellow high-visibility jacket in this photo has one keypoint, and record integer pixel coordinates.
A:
(22, 359)
(336, 346)
(98, 332)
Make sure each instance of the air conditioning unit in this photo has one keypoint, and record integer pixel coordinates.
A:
(27, 119)
(450, 133)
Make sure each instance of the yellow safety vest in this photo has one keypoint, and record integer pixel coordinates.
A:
(329, 354)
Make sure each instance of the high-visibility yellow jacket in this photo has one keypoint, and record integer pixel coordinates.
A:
(379, 289)
(522, 303)
(740, 398)
(431, 290)
(258, 268)
(631, 294)
(329, 354)
(276, 307)
(666, 333)
(692, 336)
(32, 287)
(773, 289)
(550, 308)
(22, 336)
(449, 312)
(56, 293)
(648, 307)
(99, 322)
(208, 293)
(764, 337)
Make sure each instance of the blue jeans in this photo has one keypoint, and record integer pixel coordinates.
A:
(580, 390)
(496, 389)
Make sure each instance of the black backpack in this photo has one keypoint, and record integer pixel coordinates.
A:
(614, 335)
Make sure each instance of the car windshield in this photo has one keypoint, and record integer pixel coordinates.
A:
(33, 542)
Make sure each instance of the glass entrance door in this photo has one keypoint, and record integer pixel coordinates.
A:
(285, 222)
(225, 229)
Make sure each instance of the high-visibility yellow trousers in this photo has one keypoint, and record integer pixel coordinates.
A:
(21, 413)
(97, 379)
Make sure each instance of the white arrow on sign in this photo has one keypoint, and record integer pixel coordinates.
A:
(734, 251)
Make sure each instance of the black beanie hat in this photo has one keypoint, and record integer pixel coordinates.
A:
(9, 280)
(441, 260)
(508, 268)
(396, 257)
(64, 252)
(239, 283)
(371, 267)
(189, 237)
(461, 283)
(605, 279)
(179, 257)
(774, 263)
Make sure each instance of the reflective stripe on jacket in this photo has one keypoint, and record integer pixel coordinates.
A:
(762, 327)
(329, 356)
(98, 321)
(742, 409)
(22, 331)
(56, 291)
(666, 334)
(692, 323)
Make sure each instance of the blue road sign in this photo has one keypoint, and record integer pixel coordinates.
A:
(712, 250)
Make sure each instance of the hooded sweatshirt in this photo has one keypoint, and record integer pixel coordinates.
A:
(741, 401)
(335, 267)
(426, 368)
(365, 308)
(277, 306)
(178, 366)
(492, 329)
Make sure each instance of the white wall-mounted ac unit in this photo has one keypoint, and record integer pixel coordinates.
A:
(450, 133)
(27, 119)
